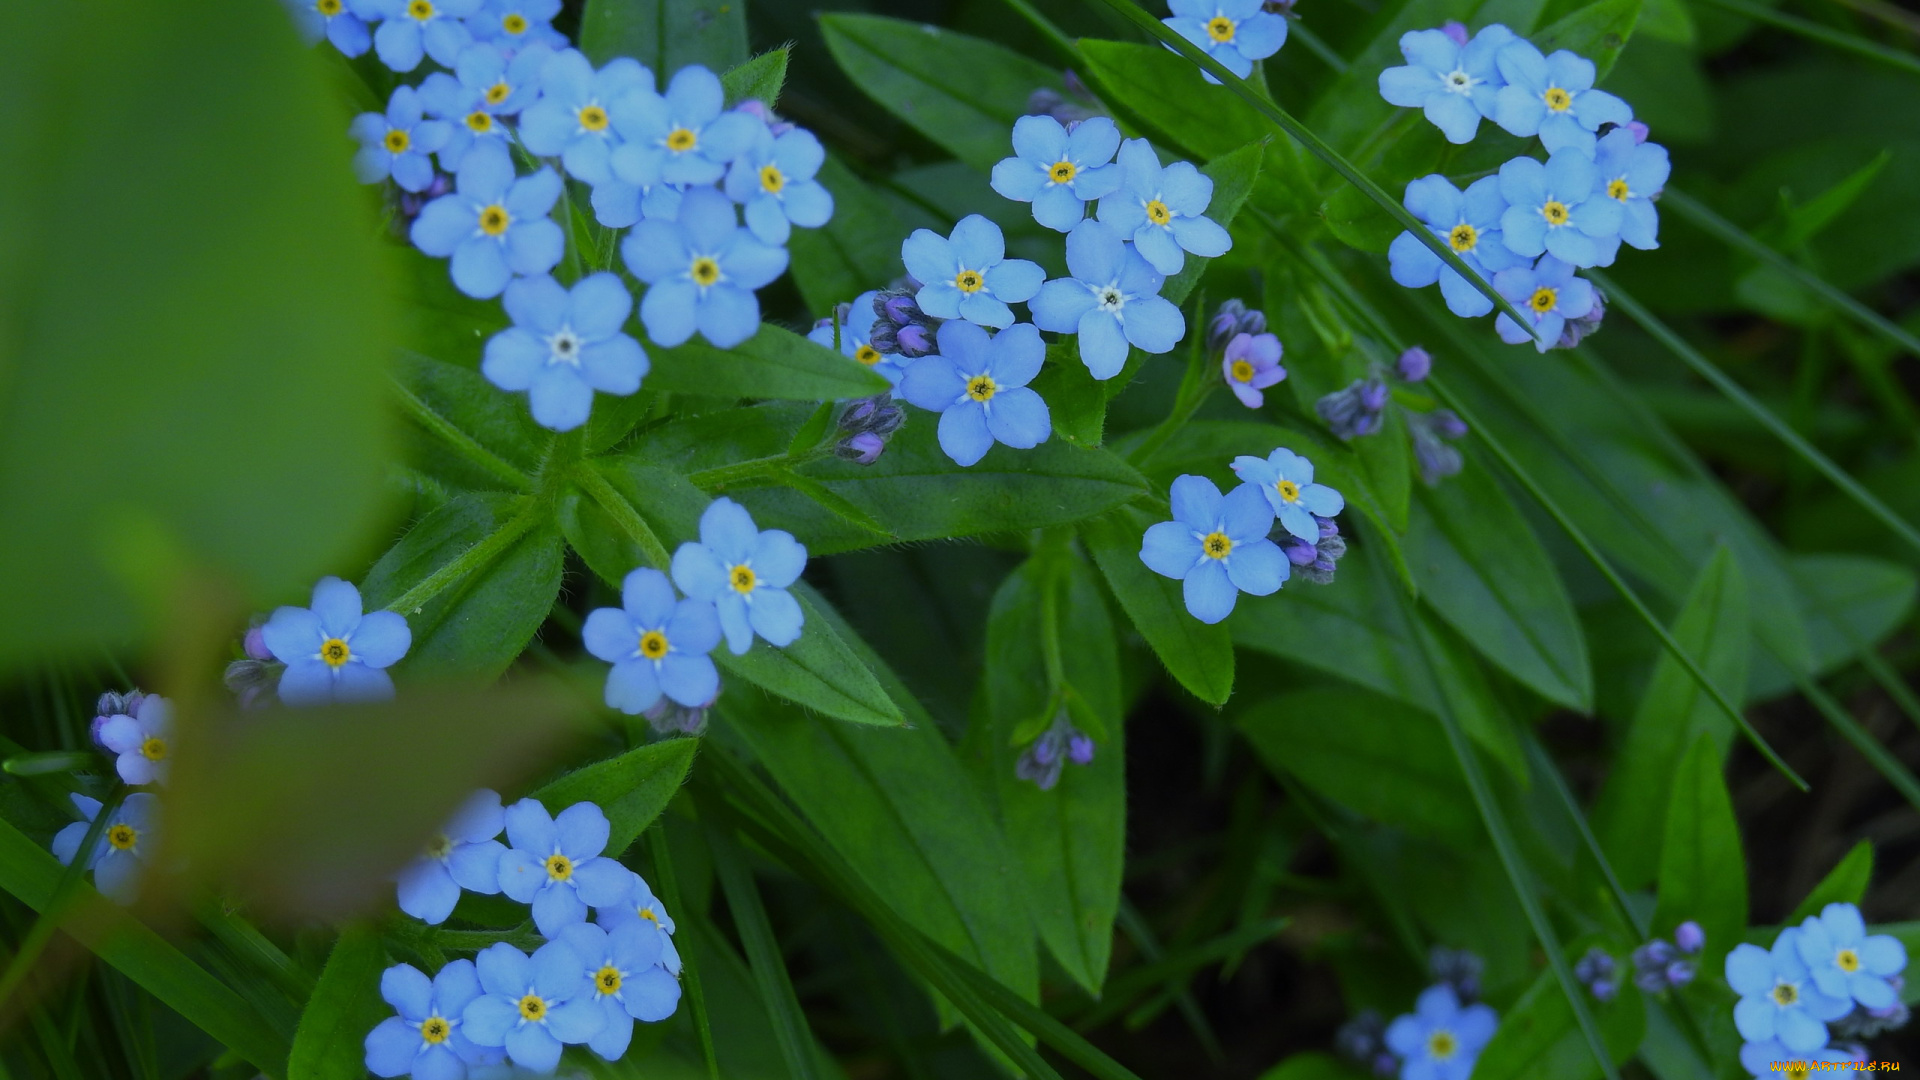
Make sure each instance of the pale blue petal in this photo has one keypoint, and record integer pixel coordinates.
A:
(1258, 568)
(778, 558)
(1208, 592)
(776, 615)
(408, 990)
(555, 908)
(581, 831)
(632, 687)
(728, 315)
(1060, 304)
(1058, 208)
(1103, 344)
(1202, 236)
(932, 383)
(694, 628)
(475, 867)
(963, 433)
(668, 309)
(1013, 178)
(391, 1046)
(533, 1047)
(688, 679)
(1154, 324)
(381, 639)
(1170, 549)
(1196, 503)
(1411, 263)
(1018, 418)
(698, 572)
(1015, 281)
(427, 892)
(610, 634)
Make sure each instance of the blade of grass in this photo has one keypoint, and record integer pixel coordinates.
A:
(1544, 763)
(669, 883)
(1173, 970)
(1862, 740)
(1135, 926)
(790, 1031)
(1826, 35)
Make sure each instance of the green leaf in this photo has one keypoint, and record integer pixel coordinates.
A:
(1597, 31)
(1539, 1036)
(759, 79)
(242, 353)
(666, 35)
(1163, 89)
(1846, 883)
(1851, 601)
(1076, 401)
(437, 396)
(1703, 876)
(1673, 712)
(345, 1005)
(857, 250)
(478, 624)
(1199, 656)
(1313, 1065)
(962, 92)
(773, 363)
(1386, 460)
(633, 788)
(1233, 177)
(1485, 574)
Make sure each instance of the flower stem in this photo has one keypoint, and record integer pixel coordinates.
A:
(1194, 388)
(466, 445)
(475, 557)
(623, 515)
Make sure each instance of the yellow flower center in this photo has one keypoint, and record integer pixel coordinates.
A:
(1288, 490)
(1216, 545)
(1158, 213)
(741, 578)
(122, 837)
(420, 9)
(435, 1029)
(1441, 1045)
(772, 179)
(559, 867)
(329, 8)
(1543, 299)
(1062, 172)
(867, 355)
(334, 650)
(681, 140)
(593, 118)
(1617, 189)
(398, 141)
(440, 847)
(515, 23)
(969, 281)
(155, 749)
(1555, 212)
(1785, 994)
(1557, 99)
(607, 980)
(647, 914)
(705, 271)
(1847, 960)
(1220, 28)
(1242, 371)
(533, 1007)
(981, 388)
(498, 93)
(494, 220)
(653, 644)
(479, 122)
(1463, 238)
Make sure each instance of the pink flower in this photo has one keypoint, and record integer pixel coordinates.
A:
(1251, 364)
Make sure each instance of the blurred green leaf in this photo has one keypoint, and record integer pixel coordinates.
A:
(773, 363)
(1539, 1037)
(1598, 31)
(1313, 1065)
(633, 788)
(1163, 89)
(858, 250)
(344, 1007)
(666, 35)
(1846, 883)
(1199, 656)
(1703, 876)
(438, 397)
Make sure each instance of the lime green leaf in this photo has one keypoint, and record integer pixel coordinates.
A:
(759, 79)
(773, 363)
(633, 788)
(1846, 883)
(666, 35)
(1703, 876)
(345, 1005)
(1198, 655)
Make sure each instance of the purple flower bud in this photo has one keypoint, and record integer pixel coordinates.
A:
(1596, 964)
(1604, 989)
(1367, 424)
(1074, 85)
(93, 730)
(1253, 322)
(1414, 364)
(1299, 552)
(1576, 330)
(887, 420)
(1329, 528)
(914, 341)
(1324, 565)
(255, 644)
(862, 449)
(1386, 1065)
(1456, 30)
(1224, 324)
(1080, 749)
(1679, 973)
(1042, 774)
(1447, 425)
(1640, 131)
(897, 308)
(1689, 937)
(1654, 954)
(1373, 395)
(859, 414)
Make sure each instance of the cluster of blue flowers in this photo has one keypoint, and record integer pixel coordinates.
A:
(1826, 977)
(1440, 1039)
(403, 32)
(136, 729)
(1528, 228)
(586, 985)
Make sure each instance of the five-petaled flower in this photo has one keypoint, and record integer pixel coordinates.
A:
(1233, 32)
(744, 572)
(625, 980)
(1286, 479)
(532, 1005)
(424, 1038)
(1778, 997)
(565, 344)
(640, 907)
(1555, 208)
(774, 180)
(681, 137)
(464, 855)
(1217, 546)
(492, 224)
(124, 849)
(967, 274)
(1467, 223)
(554, 863)
(702, 268)
(410, 29)
(1548, 294)
(514, 25)
(396, 143)
(855, 331)
(143, 740)
(1454, 84)
(574, 117)
(485, 87)
(332, 650)
(978, 385)
(1553, 97)
(1847, 962)
(1440, 1039)
(1113, 298)
(1057, 171)
(1250, 364)
(1161, 210)
(656, 644)
(1631, 173)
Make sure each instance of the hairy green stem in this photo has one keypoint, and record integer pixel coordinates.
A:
(475, 557)
(459, 441)
(623, 515)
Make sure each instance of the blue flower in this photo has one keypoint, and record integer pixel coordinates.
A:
(641, 908)
(967, 275)
(1553, 97)
(856, 337)
(1846, 962)
(657, 645)
(1456, 84)
(1112, 298)
(625, 980)
(494, 226)
(1633, 174)
(486, 88)
(1217, 546)
(143, 740)
(517, 24)
(1778, 997)
(618, 204)
(411, 28)
(1553, 208)
(744, 574)
(1233, 32)
(773, 180)
(1286, 479)
(466, 855)
(1439, 1040)
(682, 137)
(1470, 224)
(574, 117)
(1059, 172)
(121, 854)
(703, 268)
(554, 863)
(1160, 209)
(532, 1005)
(425, 1039)
(563, 345)
(339, 21)
(1766, 1060)
(978, 385)
(1549, 294)
(397, 143)
(332, 651)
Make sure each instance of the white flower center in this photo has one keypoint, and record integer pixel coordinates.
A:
(1459, 82)
(564, 347)
(1110, 298)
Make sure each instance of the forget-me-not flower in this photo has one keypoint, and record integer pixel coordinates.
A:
(1454, 84)
(1553, 97)
(1216, 546)
(485, 88)
(1233, 32)
(618, 204)
(555, 863)
(1113, 298)
(773, 180)
(1553, 208)
(332, 650)
(702, 268)
(978, 385)
(339, 21)
(641, 907)
(396, 143)
(1161, 210)
(1057, 171)
(565, 344)
(531, 1005)
(967, 275)
(625, 981)
(424, 1039)
(1440, 1039)
(517, 24)
(1250, 364)
(682, 136)
(1845, 961)
(856, 337)
(143, 740)
(657, 644)
(1548, 294)
(1286, 479)
(1470, 225)
(492, 224)
(744, 573)
(464, 855)
(1778, 997)
(574, 117)
(124, 849)
(1631, 173)
(411, 29)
